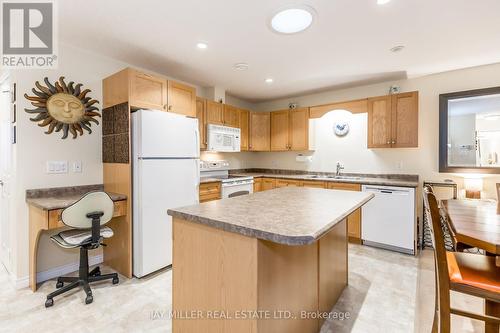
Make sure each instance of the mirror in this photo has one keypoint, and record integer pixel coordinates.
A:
(469, 129)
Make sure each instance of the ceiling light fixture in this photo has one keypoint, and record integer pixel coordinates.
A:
(294, 19)
(269, 80)
(241, 66)
(397, 48)
(202, 45)
(382, 2)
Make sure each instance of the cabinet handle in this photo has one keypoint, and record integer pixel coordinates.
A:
(165, 106)
(388, 142)
(393, 142)
(170, 108)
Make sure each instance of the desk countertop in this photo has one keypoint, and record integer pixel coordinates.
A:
(62, 197)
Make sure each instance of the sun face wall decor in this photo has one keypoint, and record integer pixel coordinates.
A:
(63, 107)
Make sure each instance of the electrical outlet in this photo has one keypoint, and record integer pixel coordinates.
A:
(77, 166)
(399, 165)
(57, 166)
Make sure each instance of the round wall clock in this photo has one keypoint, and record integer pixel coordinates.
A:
(63, 107)
(341, 128)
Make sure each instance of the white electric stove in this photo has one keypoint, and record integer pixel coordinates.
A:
(232, 186)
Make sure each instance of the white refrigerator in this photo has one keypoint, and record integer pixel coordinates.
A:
(166, 174)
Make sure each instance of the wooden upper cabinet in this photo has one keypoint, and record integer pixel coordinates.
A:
(244, 126)
(215, 113)
(393, 121)
(147, 91)
(379, 122)
(290, 130)
(260, 131)
(181, 99)
(299, 129)
(280, 130)
(202, 124)
(231, 116)
(405, 120)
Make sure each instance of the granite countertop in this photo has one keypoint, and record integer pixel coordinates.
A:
(62, 197)
(288, 215)
(386, 180)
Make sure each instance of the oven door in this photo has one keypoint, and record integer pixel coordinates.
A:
(231, 191)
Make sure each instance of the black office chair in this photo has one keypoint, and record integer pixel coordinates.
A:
(86, 217)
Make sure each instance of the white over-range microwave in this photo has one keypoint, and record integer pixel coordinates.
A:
(223, 138)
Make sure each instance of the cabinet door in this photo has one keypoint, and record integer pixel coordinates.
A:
(181, 99)
(279, 130)
(379, 122)
(260, 131)
(215, 113)
(287, 182)
(353, 220)
(244, 114)
(231, 116)
(299, 129)
(405, 120)
(257, 184)
(202, 126)
(147, 91)
(313, 183)
(268, 184)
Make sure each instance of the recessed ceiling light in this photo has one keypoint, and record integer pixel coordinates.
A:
(397, 48)
(202, 45)
(241, 66)
(269, 80)
(382, 2)
(294, 19)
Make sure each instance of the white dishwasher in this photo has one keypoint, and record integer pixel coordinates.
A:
(388, 220)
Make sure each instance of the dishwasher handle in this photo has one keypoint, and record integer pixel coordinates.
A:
(382, 190)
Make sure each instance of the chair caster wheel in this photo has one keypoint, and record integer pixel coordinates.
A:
(115, 280)
(59, 284)
(89, 299)
(49, 302)
(98, 272)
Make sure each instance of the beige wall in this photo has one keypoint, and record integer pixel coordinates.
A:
(352, 150)
(34, 149)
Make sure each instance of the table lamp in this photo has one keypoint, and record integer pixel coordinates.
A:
(473, 188)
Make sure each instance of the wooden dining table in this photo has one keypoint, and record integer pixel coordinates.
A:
(477, 223)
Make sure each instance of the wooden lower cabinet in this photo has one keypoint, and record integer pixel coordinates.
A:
(287, 182)
(257, 184)
(210, 191)
(354, 220)
(268, 184)
(313, 183)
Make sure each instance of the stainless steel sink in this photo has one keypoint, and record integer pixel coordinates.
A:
(346, 177)
(333, 177)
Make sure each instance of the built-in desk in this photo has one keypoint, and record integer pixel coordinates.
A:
(45, 207)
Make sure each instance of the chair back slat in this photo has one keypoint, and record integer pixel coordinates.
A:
(75, 216)
(431, 210)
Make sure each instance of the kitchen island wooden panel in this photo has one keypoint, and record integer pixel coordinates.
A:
(227, 282)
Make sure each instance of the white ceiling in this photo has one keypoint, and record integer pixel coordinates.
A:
(348, 43)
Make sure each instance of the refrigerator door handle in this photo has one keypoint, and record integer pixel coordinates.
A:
(197, 136)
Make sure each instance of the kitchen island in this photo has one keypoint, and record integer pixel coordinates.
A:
(273, 261)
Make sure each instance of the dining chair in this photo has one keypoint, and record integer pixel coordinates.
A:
(498, 198)
(467, 273)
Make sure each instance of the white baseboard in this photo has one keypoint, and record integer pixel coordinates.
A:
(23, 282)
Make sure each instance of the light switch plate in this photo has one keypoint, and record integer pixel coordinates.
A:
(57, 166)
(77, 166)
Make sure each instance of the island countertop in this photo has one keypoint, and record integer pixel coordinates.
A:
(288, 215)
